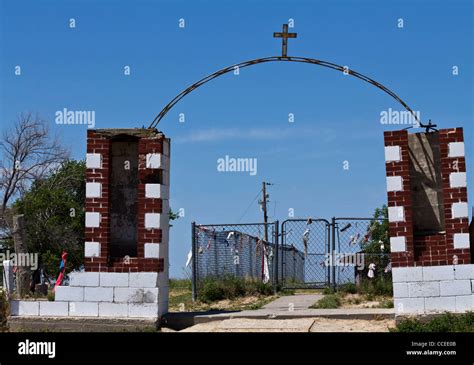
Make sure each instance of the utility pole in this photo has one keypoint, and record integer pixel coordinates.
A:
(263, 203)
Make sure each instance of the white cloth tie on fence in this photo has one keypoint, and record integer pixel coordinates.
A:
(371, 272)
(190, 256)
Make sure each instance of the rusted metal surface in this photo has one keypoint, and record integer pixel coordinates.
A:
(284, 39)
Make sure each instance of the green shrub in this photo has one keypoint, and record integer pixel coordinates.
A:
(381, 286)
(410, 325)
(387, 303)
(284, 292)
(328, 291)
(213, 289)
(348, 288)
(51, 296)
(330, 301)
(447, 322)
(257, 287)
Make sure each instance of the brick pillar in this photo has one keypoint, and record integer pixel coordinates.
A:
(126, 214)
(399, 198)
(442, 248)
(153, 202)
(453, 171)
(97, 202)
(432, 270)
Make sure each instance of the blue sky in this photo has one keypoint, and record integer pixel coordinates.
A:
(337, 117)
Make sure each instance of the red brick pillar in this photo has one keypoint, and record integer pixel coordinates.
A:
(456, 211)
(399, 198)
(97, 202)
(433, 249)
(431, 257)
(153, 202)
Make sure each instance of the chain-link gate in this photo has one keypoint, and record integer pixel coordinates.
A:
(303, 253)
(329, 254)
(360, 245)
(309, 253)
(246, 251)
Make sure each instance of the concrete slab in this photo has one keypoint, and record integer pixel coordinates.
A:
(293, 302)
(287, 307)
(351, 325)
(270, 325)
(294, 325)
(254, 325)
(356, 313)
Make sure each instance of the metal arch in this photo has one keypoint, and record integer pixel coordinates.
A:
(225, 70)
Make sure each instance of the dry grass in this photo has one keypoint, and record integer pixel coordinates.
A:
(366, 301)
(180, 300)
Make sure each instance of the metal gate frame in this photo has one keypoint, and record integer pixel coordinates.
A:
(277, 238)
(333, 245)
(283, 243)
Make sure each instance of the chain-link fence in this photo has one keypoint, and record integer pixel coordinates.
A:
(239, 250)
(309, 253)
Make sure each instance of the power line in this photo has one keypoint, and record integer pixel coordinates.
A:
(253, 201)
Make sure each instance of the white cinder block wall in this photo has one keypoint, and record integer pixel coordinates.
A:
(433, 289)
(93, 294)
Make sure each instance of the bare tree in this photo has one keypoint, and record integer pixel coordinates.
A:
(28, 152)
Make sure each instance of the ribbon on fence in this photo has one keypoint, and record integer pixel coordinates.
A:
(190, 257)
(266, 271)
(62, 269)
(306, 241)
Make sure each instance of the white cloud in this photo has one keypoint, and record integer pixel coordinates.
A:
(221, 134)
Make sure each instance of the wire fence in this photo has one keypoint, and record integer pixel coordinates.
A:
(308, 253)
(245, 251)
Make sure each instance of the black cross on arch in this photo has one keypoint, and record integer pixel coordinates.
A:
(284, 39)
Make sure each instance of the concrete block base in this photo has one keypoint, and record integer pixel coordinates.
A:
(107, 295)
(433, 289)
